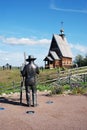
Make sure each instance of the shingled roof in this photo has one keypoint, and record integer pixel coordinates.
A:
(48, 58)
(54, 55)
(63, 45)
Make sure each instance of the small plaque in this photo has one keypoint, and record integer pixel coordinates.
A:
(1, 108)
(49, 102)
(30, 112)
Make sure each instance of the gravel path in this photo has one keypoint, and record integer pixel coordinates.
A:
(52, 113)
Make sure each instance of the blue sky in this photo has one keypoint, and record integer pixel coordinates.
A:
(28, 26)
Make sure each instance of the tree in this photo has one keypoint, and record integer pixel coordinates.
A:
(79, 60)
(85, 61)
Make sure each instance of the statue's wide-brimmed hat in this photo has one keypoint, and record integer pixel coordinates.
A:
(30, 58)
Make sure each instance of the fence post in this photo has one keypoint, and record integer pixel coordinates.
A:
(13, 83)
(58, 79)
(84, 78)
(69, 77)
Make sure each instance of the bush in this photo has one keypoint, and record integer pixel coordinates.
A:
(66, 87)
(57, 90)
(78, 90)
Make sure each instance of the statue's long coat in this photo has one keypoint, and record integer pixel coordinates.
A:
(29, 72)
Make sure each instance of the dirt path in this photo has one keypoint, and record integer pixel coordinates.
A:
(63, 113)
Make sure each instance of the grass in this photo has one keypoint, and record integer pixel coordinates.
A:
(43, 87)
(8, 78)
(10, 82)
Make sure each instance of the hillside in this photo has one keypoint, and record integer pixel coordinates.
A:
(12, 78)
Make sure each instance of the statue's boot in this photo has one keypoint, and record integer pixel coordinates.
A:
(34, 99)
(28, 100)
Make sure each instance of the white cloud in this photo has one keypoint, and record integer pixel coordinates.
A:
(16, 56)
(17, 59)
(79, 47)
(53, 6)
(11, 58)
(23, 41)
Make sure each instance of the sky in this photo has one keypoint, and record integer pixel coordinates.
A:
(27, 27)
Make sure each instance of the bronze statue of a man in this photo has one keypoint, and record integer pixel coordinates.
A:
(29, 72)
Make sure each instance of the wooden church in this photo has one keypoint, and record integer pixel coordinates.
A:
(59, 54)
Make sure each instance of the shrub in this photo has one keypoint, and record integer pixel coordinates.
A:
(78, 90)
(66, 87)
(57, 89)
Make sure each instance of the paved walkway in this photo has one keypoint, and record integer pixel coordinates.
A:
(63, 113)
